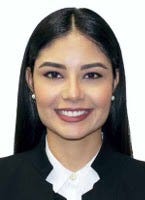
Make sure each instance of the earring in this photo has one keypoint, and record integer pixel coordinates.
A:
(113, 98)
(33, 96)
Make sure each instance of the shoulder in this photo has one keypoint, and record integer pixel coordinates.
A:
(22, 176)
(14, 159)
(129, 165)
(131, 175)
(109, 160)
(12, 165)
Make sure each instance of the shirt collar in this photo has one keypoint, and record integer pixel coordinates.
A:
(59, 174)
(102, 164)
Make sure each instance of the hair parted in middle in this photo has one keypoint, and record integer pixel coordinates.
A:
(29, 128)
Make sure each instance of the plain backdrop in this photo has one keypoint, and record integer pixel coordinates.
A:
(17, 21)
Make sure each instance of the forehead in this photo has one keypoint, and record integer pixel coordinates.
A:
(73, 47)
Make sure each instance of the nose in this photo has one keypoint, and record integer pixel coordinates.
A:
(73, 90)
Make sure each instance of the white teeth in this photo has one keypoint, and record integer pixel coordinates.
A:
(73, 113)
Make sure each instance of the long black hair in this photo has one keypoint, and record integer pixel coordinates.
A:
(29, 128)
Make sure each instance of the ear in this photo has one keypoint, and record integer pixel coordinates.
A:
(116, 80)
(29, 78)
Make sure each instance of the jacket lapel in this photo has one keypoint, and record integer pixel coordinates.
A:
(37, 186)
(31, 180)
(104, 165)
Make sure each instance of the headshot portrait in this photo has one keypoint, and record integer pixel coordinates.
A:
(72, 137)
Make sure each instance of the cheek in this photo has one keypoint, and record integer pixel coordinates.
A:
(105, 97)
(102, 102)
(45, 95)
(101, 96)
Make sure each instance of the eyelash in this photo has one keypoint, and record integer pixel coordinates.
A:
(53, 75)
(93, 75)
(57, 75)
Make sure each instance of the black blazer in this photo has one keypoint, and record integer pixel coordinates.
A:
(22, 176)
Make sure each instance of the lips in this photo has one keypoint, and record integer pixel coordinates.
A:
(73, 115)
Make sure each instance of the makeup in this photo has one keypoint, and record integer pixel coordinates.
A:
(73, 115)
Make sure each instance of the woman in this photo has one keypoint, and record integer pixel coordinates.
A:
(72, 136)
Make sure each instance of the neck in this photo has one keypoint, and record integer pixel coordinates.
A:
(74, 154)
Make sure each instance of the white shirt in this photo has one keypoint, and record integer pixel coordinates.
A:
(67, 183)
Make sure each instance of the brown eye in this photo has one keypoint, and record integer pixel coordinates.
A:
(92, 75)
(53, 75)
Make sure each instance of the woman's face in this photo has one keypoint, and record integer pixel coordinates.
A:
(73, 84)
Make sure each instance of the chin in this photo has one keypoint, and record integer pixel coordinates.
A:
(75, 137)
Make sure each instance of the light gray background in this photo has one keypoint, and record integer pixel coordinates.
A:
(17, 21)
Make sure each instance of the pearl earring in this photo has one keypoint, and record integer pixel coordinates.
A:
(113, 98)
(33, 96)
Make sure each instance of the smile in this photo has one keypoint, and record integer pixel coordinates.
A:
(73, 115)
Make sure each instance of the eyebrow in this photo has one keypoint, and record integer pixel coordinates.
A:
(52, 64)
(61, 66)
(98, 64)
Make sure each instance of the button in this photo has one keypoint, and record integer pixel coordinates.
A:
(73, 177)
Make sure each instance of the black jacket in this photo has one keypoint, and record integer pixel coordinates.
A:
(22, 176)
